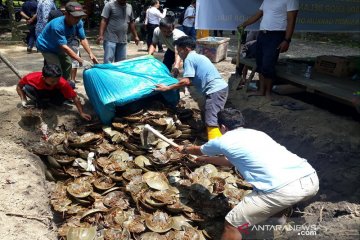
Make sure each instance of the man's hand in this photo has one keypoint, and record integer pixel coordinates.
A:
(100, 39)
(85, 116)
(241, 28)
(137, 40)
(284, 46)
(180, 149)
(161, 88)
(86, 64)
(175, 72)
(93, 58)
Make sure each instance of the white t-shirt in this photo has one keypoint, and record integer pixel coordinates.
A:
(275, 14)
(263, 162)
(169, 41)
(153, 16)
(190, 12)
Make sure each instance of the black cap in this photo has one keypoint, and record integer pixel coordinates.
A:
(75, 9)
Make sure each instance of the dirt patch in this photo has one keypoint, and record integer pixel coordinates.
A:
(330, 142)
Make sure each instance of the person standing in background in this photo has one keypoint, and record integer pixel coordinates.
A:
(28, 11)
(277, 25)
(73, 40)
(152, 20)
(117, 16)
(189, 20)
(42, 13)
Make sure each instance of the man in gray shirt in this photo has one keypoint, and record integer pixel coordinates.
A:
(167, 34)
(117, 16)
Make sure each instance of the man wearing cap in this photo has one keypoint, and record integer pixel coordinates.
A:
(52, 42)
(117, 17)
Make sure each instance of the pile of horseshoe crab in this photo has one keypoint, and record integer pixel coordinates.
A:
(110, 185)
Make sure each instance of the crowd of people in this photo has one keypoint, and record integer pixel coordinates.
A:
(279, 178)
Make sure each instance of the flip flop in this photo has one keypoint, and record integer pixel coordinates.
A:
(294, 106)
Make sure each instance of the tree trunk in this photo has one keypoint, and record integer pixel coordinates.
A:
(15, 33)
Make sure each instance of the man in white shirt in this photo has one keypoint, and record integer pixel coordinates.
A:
(276, 29)
(152, 20)
(167, 34)
(279, 178)
(189, 20)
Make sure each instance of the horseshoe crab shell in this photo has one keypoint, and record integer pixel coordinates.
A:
(79, 188)
(117, 199)
(151, 236)
(79, 233)
(131, 172)
(135, 224)
(179, 222)
(104, 183)
(56, 138)
(85, 140)
(156, 180)
(158, 222)
(63, 159)
(116, 234)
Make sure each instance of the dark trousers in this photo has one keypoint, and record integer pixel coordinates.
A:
(150, 34)
(31, 37)
(267, 52)
(169, 59)
(43, 97)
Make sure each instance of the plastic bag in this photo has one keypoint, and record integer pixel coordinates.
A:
(117, 84)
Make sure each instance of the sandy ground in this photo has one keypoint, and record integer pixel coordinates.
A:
(329, 140)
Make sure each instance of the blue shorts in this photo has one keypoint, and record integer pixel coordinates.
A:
(267, 52)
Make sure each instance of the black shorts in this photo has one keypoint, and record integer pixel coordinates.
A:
(267, 52)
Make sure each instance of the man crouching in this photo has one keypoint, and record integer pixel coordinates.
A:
(279, 177)
(48, 87)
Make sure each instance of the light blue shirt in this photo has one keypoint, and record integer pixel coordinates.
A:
(262, 162)
(205, 77)
(56, 34)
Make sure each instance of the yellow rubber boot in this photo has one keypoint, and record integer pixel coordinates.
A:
(202, 33)
(213, 132)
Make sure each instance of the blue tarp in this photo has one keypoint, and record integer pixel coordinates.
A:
(117, 84)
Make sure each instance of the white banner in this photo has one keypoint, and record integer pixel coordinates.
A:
(314, 15)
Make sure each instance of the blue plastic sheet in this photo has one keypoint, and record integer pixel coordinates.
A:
(117, 84)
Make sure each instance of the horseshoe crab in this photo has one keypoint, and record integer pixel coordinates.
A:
(117, 199)
(135, 223)
(156, 180)
(179, 222)
(62, 159)
(77, 233)
(130, 173)
(80, 188)
(103, 183)
(85, 140)
(151, 236)
(56, 138)
(105, 148)
(158, 222)
(117, 233)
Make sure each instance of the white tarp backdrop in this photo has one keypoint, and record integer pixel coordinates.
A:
(314, 15)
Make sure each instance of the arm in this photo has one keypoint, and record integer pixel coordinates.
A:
(291, 20)
(24, 16)
(175, 70)
(103, 25)
(195, 150)
(80, 109)
(159, 14)
(152, 49)
(182, 83)
(20, 92)
(133, 32)
(84, 42)
(252, 19)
